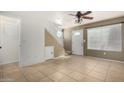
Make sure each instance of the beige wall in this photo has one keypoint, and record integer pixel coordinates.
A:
(51, 41)
(67, 39)
(87, 52)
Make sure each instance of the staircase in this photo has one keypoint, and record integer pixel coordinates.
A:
(50, 40)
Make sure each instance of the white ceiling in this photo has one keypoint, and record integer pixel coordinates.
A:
(66, 20)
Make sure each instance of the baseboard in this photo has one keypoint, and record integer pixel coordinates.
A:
(107, 59)
(59, 57)
(8, 62)
(30, 64)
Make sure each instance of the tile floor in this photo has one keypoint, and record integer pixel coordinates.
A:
(66, 69)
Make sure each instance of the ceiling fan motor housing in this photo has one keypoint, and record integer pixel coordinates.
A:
(80, 16)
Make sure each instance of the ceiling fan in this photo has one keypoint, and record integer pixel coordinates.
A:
(80, 16)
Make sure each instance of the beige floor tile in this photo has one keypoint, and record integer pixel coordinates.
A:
(1, 75)
(41, 68)
(1, 68)
(117, 69)
(15, 76)
(97, 75)
(73, 66)
(77, 76)
(65, 71)
(53, 66)
(1, 72)
(100, 70)
(83, 70)
(9, 68)
(28, 70)
(67, 79)
(111, 78)
(56, 76)
(48, 71)
(5, 71)
(91, 79)
(33, 77)
(46, 79)
(115, 76)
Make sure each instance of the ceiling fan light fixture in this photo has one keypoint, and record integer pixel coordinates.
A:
(80, 16)
(79, 20)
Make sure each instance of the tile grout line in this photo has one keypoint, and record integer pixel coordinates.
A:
(20, 69)
(107, 72)
(67, 76)
(91, 71)
(44, 76)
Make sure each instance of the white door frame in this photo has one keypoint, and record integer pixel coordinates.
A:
(20, 34)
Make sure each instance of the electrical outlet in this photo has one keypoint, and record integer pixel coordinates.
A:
(104, 53)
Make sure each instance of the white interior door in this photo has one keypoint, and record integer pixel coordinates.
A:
(77, 42)
(9, 40)
(49, 52)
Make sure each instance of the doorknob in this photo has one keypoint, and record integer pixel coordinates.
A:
(0, 47)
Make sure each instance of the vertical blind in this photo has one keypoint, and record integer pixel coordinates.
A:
(107, 38)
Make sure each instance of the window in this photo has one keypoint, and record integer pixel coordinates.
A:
(107, 38)
(59, 34)
(76, 33)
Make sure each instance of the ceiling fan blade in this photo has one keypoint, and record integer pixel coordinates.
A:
(72, 15)
(88, 12)
(86, 17)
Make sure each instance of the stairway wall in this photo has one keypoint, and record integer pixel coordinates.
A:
(50, 40)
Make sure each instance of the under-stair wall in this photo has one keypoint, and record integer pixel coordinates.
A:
(50, 40)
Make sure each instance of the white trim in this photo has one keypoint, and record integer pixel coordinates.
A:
(44, 43)
(19, 41)
(31, 64)
(59, 57)
(8, 62)
(106, 59)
